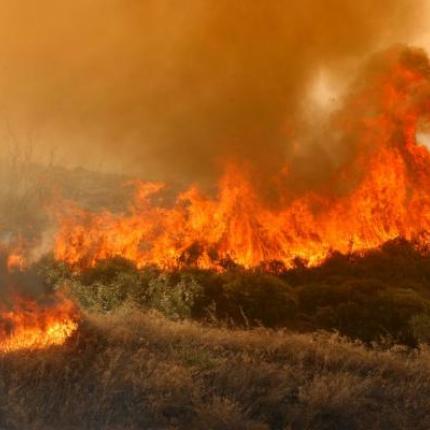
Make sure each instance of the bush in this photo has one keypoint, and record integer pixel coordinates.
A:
(256, 297)
(108, 285)
(385, 293)
(174, 299)
(420, 326)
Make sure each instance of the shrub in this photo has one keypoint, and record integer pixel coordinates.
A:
(174, 299)
(420, 326)
(108, 285)
(257, 297)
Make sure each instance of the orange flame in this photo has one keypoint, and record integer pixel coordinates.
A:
(15, 261)
(388, 197)
(30, 325)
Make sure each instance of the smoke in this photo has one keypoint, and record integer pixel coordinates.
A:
(169, 89)
(16, 282)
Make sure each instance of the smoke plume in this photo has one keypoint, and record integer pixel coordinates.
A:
(169, 90)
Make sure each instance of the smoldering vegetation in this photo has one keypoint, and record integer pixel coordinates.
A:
(32, 193)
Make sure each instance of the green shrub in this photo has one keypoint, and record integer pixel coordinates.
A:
(54, 273)
(108, 285)
(257, 297)
(385, 293)
(174, 298)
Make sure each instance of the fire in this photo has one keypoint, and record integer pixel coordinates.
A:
(29, 325)
(27, 322)
(16, 261)
(387, 196)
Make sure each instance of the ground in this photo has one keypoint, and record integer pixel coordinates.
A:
(138, 370)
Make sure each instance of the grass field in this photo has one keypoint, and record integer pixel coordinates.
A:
(136, 370)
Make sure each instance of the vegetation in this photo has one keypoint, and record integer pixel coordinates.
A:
(382, 295)
(137, 370)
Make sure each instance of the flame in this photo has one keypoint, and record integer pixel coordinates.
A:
(16, 261)
(29, 325)
(387, 182)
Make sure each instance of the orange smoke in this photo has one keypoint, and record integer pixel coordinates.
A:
(30, 325)
(386, 194)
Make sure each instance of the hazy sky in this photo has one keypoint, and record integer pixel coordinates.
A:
(168, 89)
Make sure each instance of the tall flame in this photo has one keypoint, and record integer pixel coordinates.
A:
(388, 196)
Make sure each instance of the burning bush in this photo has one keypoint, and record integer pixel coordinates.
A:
(368, 297)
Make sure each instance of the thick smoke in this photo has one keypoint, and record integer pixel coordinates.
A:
(170, 89)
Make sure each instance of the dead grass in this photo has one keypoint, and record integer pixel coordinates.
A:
(134, 370)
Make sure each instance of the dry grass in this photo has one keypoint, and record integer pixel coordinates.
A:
(132, 370)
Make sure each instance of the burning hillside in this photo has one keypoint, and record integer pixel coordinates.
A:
(382, 191)
(215, 214)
